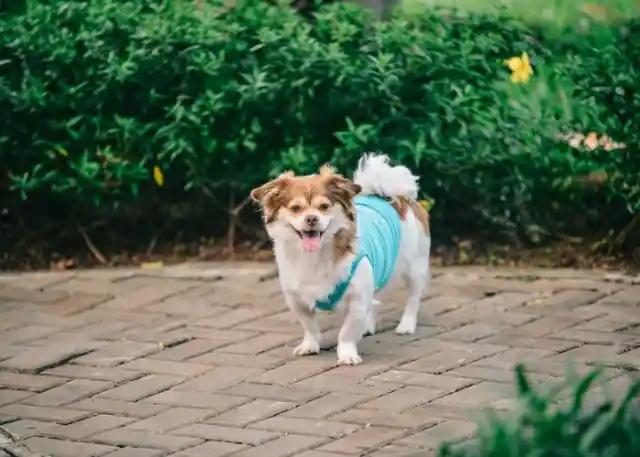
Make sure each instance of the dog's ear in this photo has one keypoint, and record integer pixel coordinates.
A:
(271, 188)
(343, 189)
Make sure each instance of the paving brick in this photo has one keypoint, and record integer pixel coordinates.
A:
(228, 434)
(141, 388)
(365, 370)
(393, 450)
(312, 427)
(547, 344)
(472, 332)
(327, 405)
(251, 412)
(292, 394)
(170, 419)
(492, 374)
(8, 294)
(112, 375)
(508, 359)
(446, 360)
(124, 408)
(26, 428)
(7, 352)
(126, 437)
(608, 323)
(544, 326)
(313, 453)
(412, 419)
(403, 398)
(441, 304)
(32, 383)
(220, 359)
(627, 296)
(72, 391)
(587, 354)
(442, 383)
(228, 384)
(60, 448)
(477, 395)
(219, 378)
(285, 446)
(234, 317)
(259, 344)
(206, 400)
(59, 415)
(432, 438)
(89, 426)
(470, 314)
(116, 353)
(576, 337)
(187, 350)
(572, 298)
(294, 371)
(279, 323)
(41, 358)
(147, 365)
(148, 294)
(223, 337)
(210, 449)
(28, 332)
(8, 396)
(328, 382)
(364, 440)
(136, 452)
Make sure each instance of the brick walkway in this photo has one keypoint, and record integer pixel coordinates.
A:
(195, 361)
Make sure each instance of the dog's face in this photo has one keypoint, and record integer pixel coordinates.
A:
(307, 210)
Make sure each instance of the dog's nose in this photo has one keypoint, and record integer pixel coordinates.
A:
(311, 220)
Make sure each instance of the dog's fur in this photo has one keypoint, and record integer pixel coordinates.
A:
(309, 269)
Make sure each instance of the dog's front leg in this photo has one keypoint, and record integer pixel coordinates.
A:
(307, 317)
(360, 298)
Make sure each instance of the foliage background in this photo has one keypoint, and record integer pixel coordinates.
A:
(94, 95)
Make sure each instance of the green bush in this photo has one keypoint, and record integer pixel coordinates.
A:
(544, 426)
(94, 95)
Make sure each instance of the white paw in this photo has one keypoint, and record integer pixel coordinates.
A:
(370, 328)
(348, 355)
(406, 327)
(307, 348)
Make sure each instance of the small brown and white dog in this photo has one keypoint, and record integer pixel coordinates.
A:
(338, 243)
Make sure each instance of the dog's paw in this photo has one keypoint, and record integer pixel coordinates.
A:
(348, 355)
(307, 348)
(406, 327)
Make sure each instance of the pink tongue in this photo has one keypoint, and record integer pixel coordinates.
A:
(310, 243)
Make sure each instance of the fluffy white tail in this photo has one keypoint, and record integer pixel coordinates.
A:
(377, 176)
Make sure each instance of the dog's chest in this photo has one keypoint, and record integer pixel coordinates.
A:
(309, 282)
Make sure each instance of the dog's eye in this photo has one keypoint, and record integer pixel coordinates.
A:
(295, 209)
(323, 207)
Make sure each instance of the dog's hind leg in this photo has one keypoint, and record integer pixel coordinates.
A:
(417, 276)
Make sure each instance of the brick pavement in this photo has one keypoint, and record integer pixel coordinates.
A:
(195, 360)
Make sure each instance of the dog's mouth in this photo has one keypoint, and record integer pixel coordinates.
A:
(309, 239)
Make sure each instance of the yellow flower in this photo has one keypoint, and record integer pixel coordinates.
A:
(520, 67)
(158, 176)
(426, 204)
(62, 151)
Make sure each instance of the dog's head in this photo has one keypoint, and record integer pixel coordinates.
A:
(309, 211)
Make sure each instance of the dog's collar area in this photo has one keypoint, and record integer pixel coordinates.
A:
(338, 291)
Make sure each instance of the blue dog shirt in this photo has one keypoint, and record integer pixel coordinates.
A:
(377, 238)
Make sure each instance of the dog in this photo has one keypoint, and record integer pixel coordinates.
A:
(339, 243)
